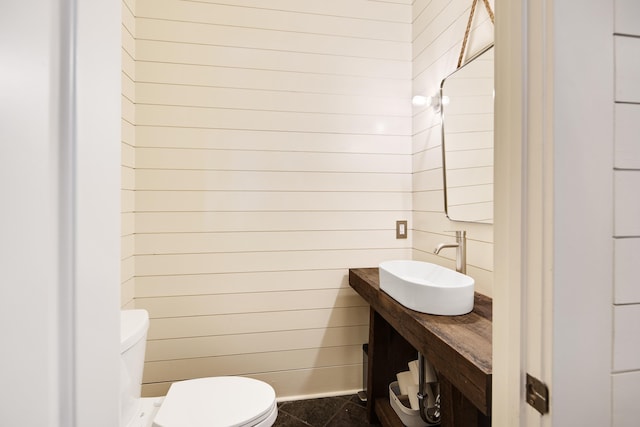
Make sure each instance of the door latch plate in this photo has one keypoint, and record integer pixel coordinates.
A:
(537, 394)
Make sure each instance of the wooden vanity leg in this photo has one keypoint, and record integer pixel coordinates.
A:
(373, 387)
(457, 410)
(389, 353)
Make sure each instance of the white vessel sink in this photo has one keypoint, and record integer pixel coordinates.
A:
(427, 288)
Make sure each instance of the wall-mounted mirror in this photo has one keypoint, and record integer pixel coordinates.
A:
(467, 140)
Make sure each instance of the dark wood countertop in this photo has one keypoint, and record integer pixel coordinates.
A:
(458, 347)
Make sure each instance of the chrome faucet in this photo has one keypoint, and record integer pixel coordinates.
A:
(461, 251)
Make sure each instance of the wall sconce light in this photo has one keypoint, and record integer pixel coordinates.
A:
(419, 100)
(427, 101)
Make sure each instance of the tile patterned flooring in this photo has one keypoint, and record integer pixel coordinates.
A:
(340, 411)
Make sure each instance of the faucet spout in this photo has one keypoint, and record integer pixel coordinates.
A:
(442, 246)
(461, 251)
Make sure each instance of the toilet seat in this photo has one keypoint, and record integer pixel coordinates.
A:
(218, 401)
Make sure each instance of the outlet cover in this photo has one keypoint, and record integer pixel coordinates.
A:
(401, 229)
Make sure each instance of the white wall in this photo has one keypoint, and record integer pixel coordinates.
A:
(438, 30)
(272, 154)
(97, 213)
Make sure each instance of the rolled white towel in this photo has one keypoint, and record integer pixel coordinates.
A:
(405, 379)
(413, 396)
(429, 372)
(413, 368)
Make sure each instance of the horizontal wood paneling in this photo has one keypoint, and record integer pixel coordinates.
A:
(360, 9)
(255, 38)
(627, 69)
(190, 243)
(127, 293)
(627, 16)
(627, 204)
(127, 243)
(257, 322)
(269, 80)
(185, 348)
(127, 200)
(128, 224)
(626, 257)
(239, 282)
(155, 265)
(277, 161)
(428, 201)
(127, 177)
(206, 222)
(474, 193)
(277, 19)
(223, 56)
(626, 345)
(128, 136)
(465, 159)
(626, 340)
(127, 149)
(627, 129)
(128, 64)
(429, 180)
(295, 384)
(481, 211)
(243, 140)
(254, 302)
(182, 201)
(626, 410)
(127, 271)
(235, 180)
(479, 176)
(272, 154)
(270, 121)
(275, 100)
(161, 371)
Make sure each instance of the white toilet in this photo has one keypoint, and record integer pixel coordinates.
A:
(202, 402)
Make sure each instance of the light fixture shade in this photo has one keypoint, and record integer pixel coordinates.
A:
(430, 101)
(419, 100)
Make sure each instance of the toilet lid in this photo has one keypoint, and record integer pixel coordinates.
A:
(216, 401)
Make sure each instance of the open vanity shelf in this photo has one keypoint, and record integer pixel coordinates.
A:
(458, 347)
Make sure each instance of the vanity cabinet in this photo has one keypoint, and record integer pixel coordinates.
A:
(458, 347)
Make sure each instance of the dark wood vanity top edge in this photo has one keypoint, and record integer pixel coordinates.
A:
(459, 347)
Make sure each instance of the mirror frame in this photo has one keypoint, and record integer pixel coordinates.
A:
(442, 142)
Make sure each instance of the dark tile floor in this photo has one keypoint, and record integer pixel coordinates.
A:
(340, 411)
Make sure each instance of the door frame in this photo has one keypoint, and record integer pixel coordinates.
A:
(554, 214)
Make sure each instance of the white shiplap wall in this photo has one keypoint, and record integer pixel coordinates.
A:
(438, 30)
(272, 153)
(128, 154)
(626, 345)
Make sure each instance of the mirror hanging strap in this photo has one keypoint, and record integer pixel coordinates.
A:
(468, 30)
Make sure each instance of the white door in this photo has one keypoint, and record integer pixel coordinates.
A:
(59, 212)
(553, 287)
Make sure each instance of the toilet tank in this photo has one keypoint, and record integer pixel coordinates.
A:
(134, 325)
